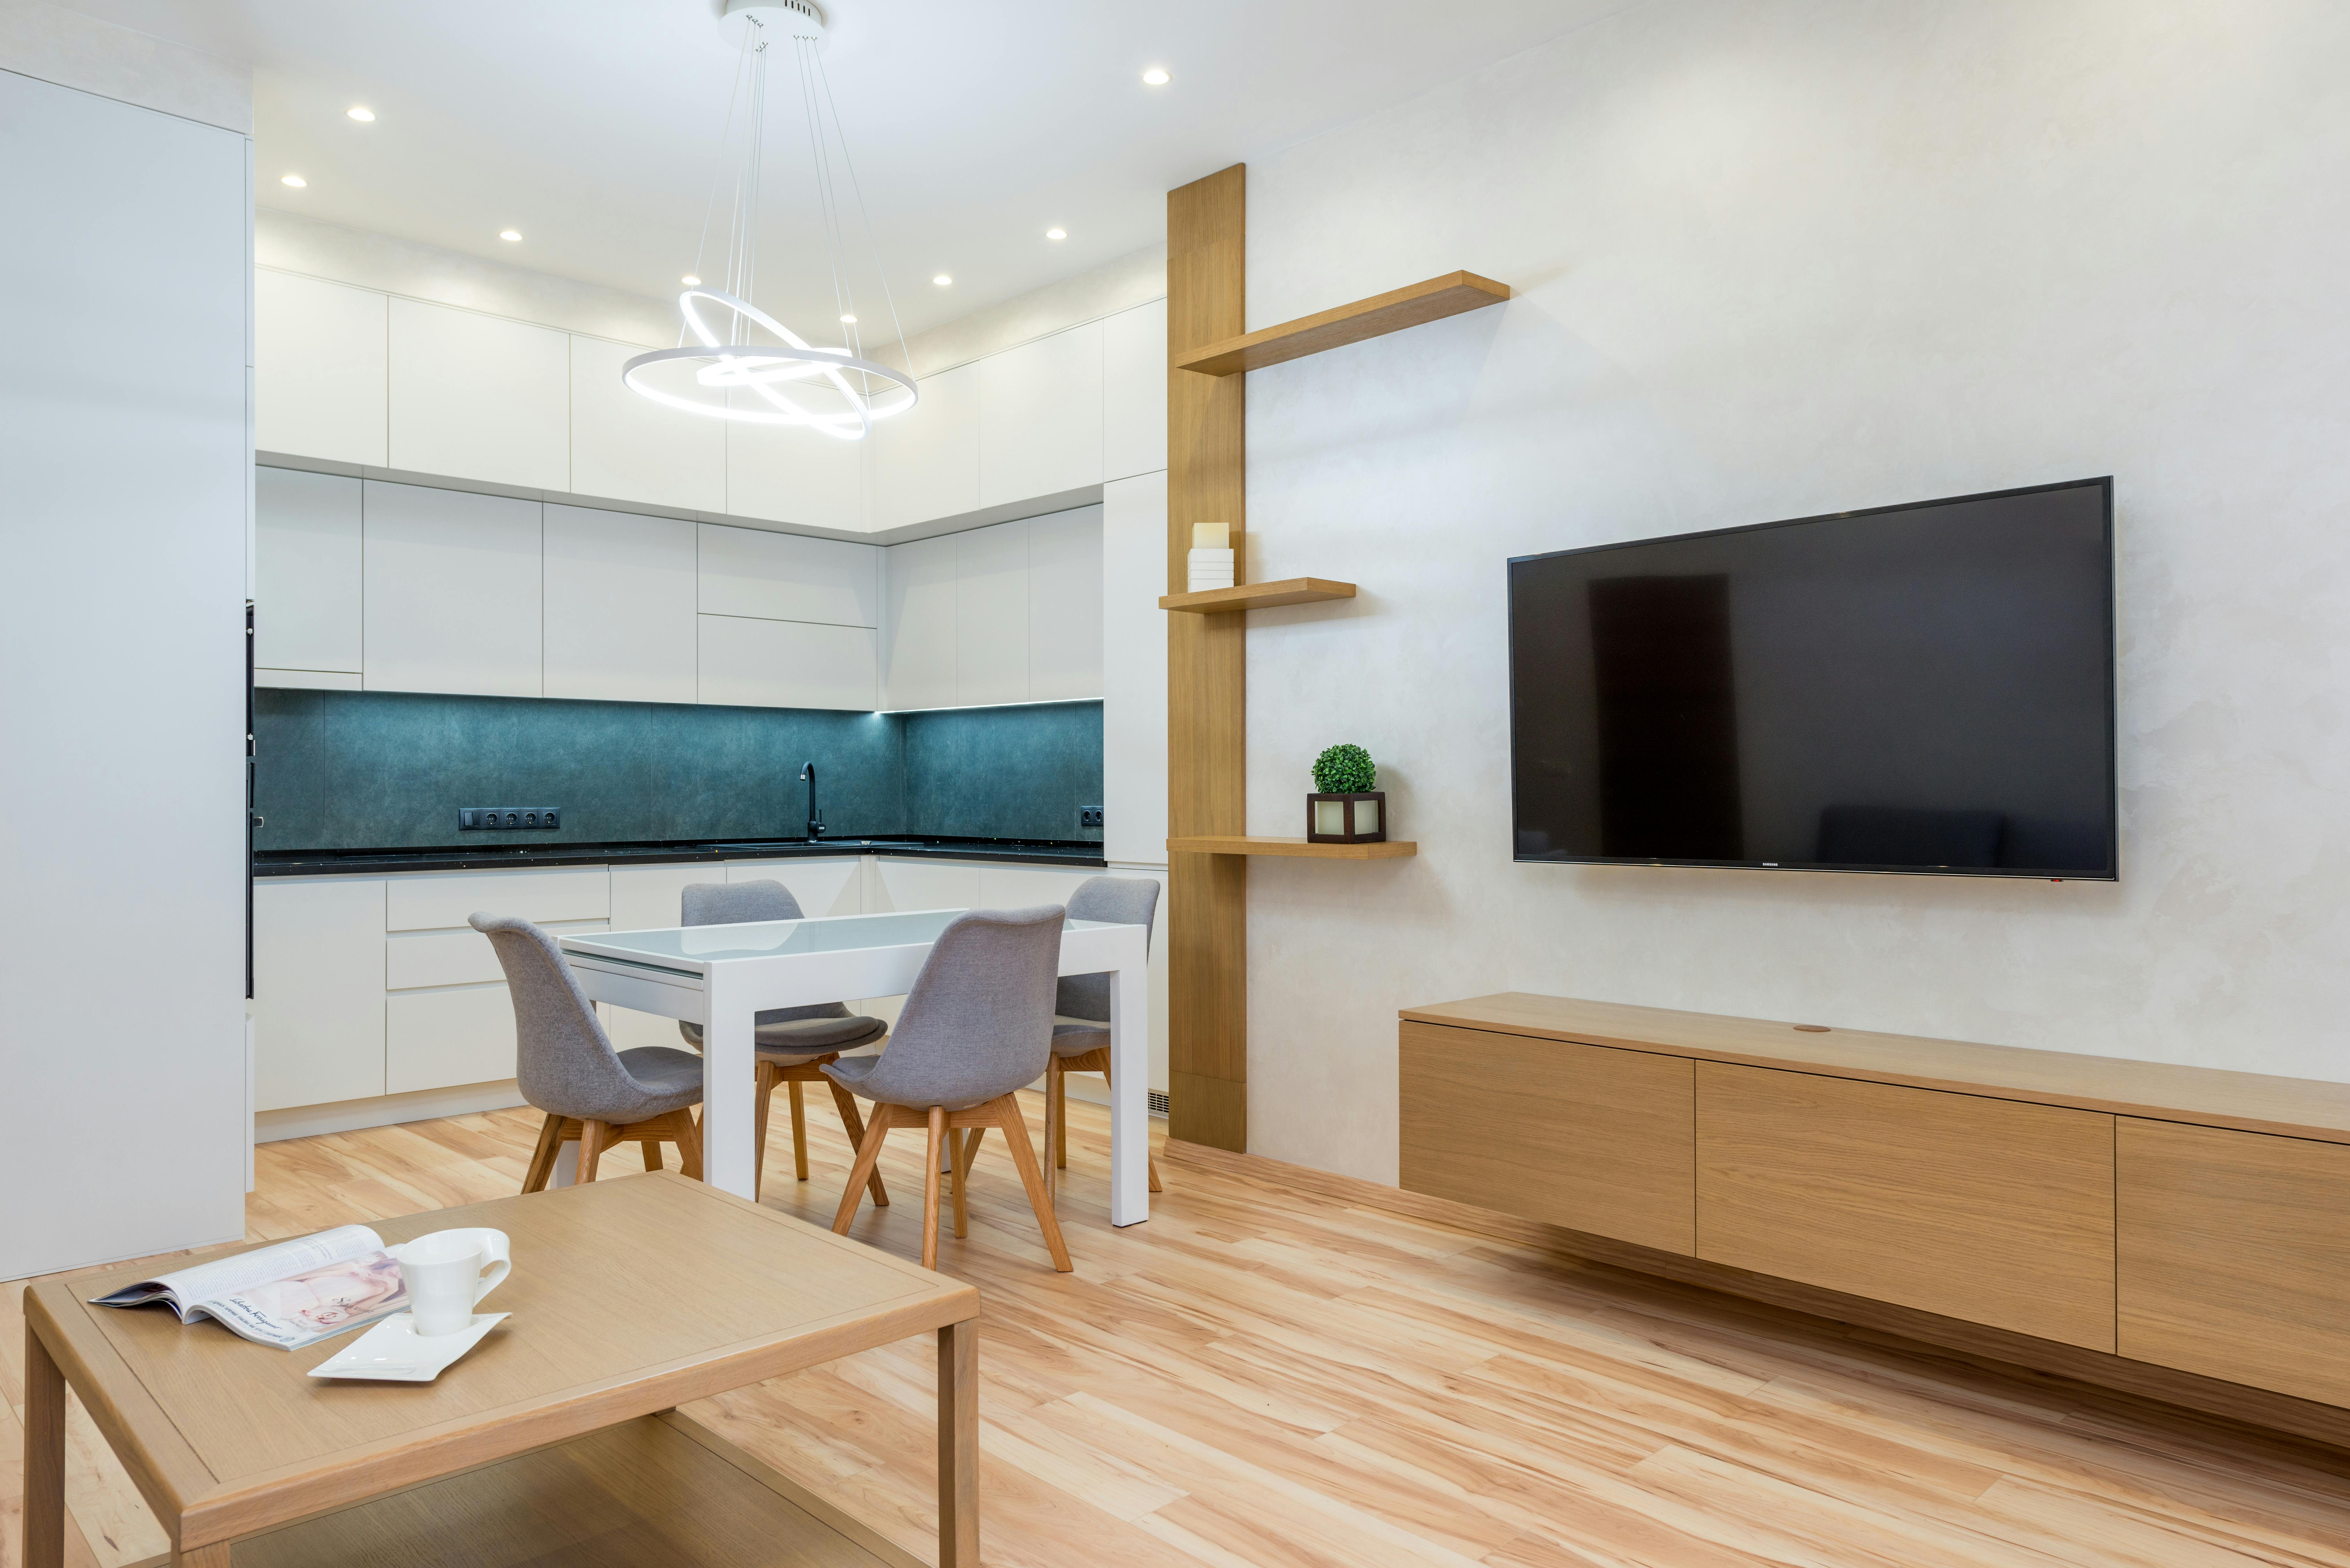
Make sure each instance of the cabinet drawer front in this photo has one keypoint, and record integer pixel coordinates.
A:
(414, 958)
(318, 1026)
(1580, 1136)
(2235, 1256)
(1990, 1210)
(439, 1039)
(443, 902)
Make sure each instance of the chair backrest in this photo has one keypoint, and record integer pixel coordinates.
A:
(563, 1056)
(979, 1022)
(1119, 901)
(740, 903)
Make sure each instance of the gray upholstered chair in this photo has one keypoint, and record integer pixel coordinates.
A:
(793, 1043)
(977, 1028)
(569, 1070)
(1084, 1046)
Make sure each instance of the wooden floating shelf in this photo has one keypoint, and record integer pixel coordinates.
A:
(1258, 596)
(1452, 295)
(1240, 844)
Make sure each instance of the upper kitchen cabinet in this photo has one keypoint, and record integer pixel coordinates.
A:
(451, 591)
(321, 369)
(479, 397)
(628, 448)
(1064, 606)
(620, 605)
(925, 462)
(917, 624)
(748, 663)
(786, 576)
(1040, 424)
(992, 603)
(1134, 391)
(306, 614)
(785, 475)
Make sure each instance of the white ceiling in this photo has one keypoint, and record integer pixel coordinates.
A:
(593, 126)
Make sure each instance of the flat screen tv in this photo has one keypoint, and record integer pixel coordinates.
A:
(1917, 689)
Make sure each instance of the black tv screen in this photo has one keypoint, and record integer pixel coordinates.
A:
(1922, 689)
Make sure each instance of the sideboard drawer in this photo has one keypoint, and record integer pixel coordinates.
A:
(1995, 1212)
(2235, 1256)
(1580, 1136)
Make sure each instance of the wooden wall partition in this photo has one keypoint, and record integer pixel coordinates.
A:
(1207, 687)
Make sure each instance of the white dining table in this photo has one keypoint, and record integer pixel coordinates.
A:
(723, 977)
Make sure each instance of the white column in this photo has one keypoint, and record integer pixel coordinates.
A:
(1129, 1084)
(729, 1060)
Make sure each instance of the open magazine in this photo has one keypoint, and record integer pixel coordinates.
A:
(289, 1295)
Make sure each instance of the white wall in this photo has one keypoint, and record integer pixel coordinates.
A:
(1780, 260)
(124, 450)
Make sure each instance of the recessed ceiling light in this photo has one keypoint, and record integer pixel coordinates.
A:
(364, 116)
(1154, 77)
(942, 280)
(849, 321)
(691, 280)
(1056, 233)
(294, 180)
(509, 234)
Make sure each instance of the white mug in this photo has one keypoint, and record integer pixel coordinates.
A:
(447, 1272)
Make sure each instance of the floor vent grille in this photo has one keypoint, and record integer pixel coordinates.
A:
(1157, 1103)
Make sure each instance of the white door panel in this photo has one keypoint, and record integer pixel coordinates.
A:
(991, 615)
(480, 397)
(786, 576)
(1040, 422)
(626, 447)
(450, 588)
(306, 612)
(619, 594)
(317, 982)
(322, 373)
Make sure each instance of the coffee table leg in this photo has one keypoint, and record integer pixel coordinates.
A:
(959, 1444)
(44, 1452)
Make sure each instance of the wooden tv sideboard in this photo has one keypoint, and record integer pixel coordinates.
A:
(2165, 1219)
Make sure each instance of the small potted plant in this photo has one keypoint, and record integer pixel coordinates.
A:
(1345, 808)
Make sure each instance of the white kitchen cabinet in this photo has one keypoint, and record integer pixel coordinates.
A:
(445, 900)
(619, 605)
(306, 596)
(1134, 391)
(1134, 668)
(821, 887)
(1064, 606)
(748, 663)
(441, 1039)
(788, 475)
(416, 961)
(450, 589)
(625, 447)
(479, 397)
(308, 679)
(318, 981)
(925, 462)
(917, 624)
(786, 576)
(1040, 420)
(900, 885)
(991, 615)
(1026, 887)
(322, 373)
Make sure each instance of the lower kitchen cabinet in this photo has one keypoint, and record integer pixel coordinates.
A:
(439, 1039)
(318, 994)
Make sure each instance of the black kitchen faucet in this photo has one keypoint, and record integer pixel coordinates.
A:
(815, 817)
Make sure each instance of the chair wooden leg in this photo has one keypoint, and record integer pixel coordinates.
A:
(542, 1158)
(938, 1123)
(689, 1143)
(652, 1153)
(966, 1155)
(1056, 1115)
(594, 1136)
(1024, 1155)
(764, 1081)
(799, 1132)
(868, 1155)
(1152, 1159)
(850, 1118)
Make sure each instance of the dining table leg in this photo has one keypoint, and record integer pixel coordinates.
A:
(45, 1453)
(959, 1444)
(1129, 1092)
(729, 1089)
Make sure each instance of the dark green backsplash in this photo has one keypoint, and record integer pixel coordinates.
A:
(381, 770)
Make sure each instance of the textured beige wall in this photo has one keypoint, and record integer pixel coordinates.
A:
(1782, 259)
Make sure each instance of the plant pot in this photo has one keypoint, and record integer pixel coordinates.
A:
(1346, 818)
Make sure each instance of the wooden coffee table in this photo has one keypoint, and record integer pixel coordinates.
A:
(556, 1440)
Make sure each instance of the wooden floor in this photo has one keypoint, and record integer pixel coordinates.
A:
(1254, 1377)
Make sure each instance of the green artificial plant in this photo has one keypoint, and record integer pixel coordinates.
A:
(1344, 770)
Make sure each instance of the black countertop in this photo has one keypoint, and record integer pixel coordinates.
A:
(509, 857)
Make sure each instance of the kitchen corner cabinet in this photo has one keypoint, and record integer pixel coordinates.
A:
(785, 475)
(480, 397)
(991, 615)
(1010, 613)
(322, 369)
(925, 462)
(748, 663)
(917, 624)
(619, 596)
(306, 593)
(451, 585)
(1040, 417)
